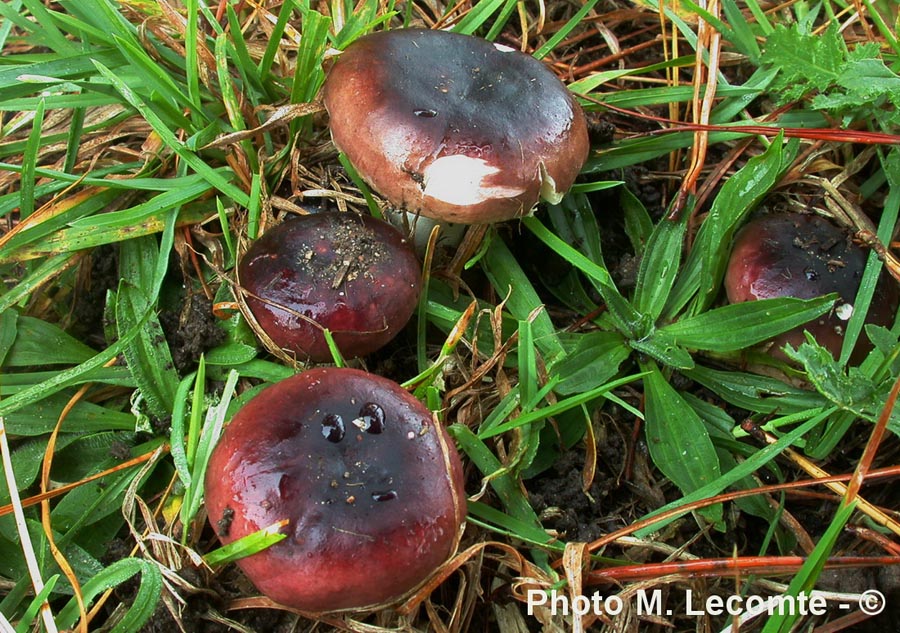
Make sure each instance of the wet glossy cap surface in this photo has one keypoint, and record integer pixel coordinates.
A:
(804, 256)
(372, 488)
(453, 126)
(355, 275)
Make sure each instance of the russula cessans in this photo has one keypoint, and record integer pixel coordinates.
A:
(805, 256)
(454, 127)
(371, 487)
(355, 275)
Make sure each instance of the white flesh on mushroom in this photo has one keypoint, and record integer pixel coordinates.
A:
(549, 191)
(460, 180)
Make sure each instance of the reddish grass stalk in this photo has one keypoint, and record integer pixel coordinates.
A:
(814, 134)
(718, 567)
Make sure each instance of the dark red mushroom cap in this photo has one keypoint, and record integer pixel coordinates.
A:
(355, 275)
(453, 126)
(371, 486)
(804, 256)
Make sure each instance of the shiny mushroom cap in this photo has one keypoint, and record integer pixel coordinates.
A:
(370, 485)
(355, 275)
(805, 256)
(454, 127)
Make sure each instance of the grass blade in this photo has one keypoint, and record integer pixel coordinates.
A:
(29, 162)
(564, 31)
(804, 581)
(211, 175)
(508, 278)
(145, 601)
(812, 417)
(247, 545)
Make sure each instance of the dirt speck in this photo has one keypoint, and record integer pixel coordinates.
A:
(346, 251)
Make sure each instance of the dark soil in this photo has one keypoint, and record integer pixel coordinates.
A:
(99, 273)
(574, 514)
(577, 515)
(191, 332)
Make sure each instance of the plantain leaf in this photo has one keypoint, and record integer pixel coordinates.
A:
(741, 325)
(662, 346)
(705, 265)
(39, 343)
(659, 266)
(760, 394)
(638, 225)
(592, 359)
(678, 440)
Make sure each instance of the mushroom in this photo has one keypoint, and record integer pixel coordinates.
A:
(454, 127)
(370, 484)
(804, 256)
(355, 275)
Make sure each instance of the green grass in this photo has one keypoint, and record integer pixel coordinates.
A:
(139, 133)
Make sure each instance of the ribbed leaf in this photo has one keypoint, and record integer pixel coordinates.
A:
(659, 266)
(677, 438)
(738, 326)
(760, 394)
(592, 359)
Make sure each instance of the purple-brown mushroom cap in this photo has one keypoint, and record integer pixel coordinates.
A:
(453, 126)
(355, 275)
(805, 256)
(371, 486)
